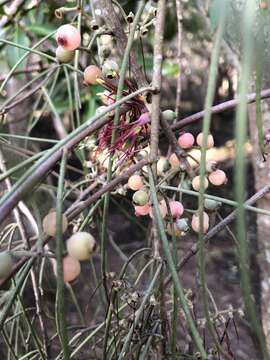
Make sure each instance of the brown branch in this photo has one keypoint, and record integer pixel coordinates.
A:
(114, 23)
(227, 105)
(216, 229)
(157, 79)
(82, 205)
(179, 56)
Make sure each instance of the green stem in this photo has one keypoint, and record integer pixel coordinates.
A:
(240, 176)
(119, 95)
(216, 198)
(170, 262)
(60, 296)
(206, 127)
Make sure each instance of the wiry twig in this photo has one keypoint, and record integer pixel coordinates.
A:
(113, 22)
(31, 178)
(72, 212)
(216, 229)
(26, 242)
(179, 55)
(227, 105)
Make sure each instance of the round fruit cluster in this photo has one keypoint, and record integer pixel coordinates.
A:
(80, 246)
(68, 39)
(171, 208)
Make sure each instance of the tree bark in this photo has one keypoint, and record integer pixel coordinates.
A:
(262, 177)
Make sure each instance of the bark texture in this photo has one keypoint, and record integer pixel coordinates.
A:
(262, 178)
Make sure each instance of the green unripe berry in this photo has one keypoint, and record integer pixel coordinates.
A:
(64, 56)
(5, 264)
(81, 246)
(168, 115)
(140, 197)
(211, 205)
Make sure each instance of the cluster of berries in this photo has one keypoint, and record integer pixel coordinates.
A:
(80, 247)
(175, 209)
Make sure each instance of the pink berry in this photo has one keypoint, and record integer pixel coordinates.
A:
(91, 74)
(195, 222)
(71, 268)
(176, 208)
(186, 140)
(135, 182)
(217, 178)
(68, 37)
(142, 210)
(210, 140)
(196, 183)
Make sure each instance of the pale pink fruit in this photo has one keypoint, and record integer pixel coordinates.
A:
(71, 268)
(217, 178)
(142, 210)
(176, 208)
(49, 223)
(91, 74)
(186, 140)
(195, 222)
(68, 37)
(196, 183)
(174, 161)
(210, 140)
(135, 182)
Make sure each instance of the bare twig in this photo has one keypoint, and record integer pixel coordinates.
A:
(113, 22)
(227, 105)
(72, 212)
(32, 177)
(216, 229)
(179, 55)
